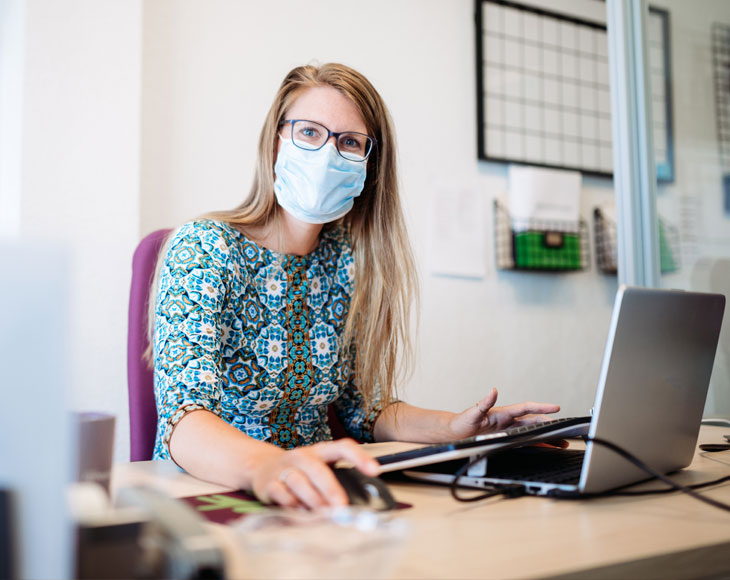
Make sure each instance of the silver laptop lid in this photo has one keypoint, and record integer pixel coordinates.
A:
(653, 383)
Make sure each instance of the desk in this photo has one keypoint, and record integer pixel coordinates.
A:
(663, 536)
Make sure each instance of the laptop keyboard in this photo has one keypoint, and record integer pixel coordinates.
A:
(537, 464)
(547, 425)
(512, 435)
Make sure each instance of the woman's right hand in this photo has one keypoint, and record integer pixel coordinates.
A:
(303, 476)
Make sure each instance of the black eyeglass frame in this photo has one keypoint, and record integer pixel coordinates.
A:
(373, 140)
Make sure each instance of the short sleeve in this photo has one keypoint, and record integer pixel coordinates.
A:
(187, 337)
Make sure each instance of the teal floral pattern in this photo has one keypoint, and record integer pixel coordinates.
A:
(255, 337)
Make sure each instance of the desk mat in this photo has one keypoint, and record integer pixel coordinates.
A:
(226, 508)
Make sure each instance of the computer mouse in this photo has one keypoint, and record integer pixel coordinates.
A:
(365, 490)
(717, 421)
(715, 447)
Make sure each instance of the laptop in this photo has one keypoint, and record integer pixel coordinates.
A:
(651, 394)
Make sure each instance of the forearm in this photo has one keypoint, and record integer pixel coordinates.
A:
(209, 448)
(403, 422)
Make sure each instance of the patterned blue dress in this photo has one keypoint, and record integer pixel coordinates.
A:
(254, 336)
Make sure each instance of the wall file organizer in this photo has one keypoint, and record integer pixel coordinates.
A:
(721, 68)
(668, 247)
(607, 249)
(539, 244)
(606, 243)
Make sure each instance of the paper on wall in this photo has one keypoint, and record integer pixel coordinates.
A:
(458, 232)
(544, 195)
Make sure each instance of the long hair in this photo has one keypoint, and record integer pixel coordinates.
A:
(386, 284)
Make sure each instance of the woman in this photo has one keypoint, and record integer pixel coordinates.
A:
(298, 299)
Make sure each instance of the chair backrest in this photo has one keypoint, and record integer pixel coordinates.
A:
(140, 378)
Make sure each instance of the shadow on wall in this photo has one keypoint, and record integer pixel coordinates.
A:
(554, 289)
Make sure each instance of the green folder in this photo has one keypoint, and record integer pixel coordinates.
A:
(667, 262)
(539, 250)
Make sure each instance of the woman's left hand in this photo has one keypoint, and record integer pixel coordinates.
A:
(484, 417)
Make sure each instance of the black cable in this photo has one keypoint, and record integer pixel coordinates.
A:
(672, 489)
(490, 493)
(653, 472)
(508, 490)
(516, 490)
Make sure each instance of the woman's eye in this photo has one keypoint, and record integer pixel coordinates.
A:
(308, 132)
(352, 143)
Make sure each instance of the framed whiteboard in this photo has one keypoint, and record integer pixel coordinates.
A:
(543, 94)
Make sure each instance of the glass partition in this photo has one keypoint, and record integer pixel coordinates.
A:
(693, 208)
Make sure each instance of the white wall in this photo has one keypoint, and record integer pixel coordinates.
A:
(80, 176)
(211, 70)
(139, 115)
(12, 31)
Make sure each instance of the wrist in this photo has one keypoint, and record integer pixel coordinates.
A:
(450, 426)
(255, 458)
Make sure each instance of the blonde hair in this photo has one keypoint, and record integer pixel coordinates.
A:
(386, 284)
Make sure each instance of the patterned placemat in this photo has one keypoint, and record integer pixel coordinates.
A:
(225, 508)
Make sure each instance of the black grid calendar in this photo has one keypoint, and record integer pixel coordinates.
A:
(543, 89)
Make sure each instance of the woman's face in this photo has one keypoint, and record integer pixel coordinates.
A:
(327, 106)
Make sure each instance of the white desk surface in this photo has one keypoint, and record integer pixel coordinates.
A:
(662, 536)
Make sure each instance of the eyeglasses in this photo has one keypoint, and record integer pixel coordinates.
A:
(312, 136)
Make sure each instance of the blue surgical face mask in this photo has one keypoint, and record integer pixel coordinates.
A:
(316, 186)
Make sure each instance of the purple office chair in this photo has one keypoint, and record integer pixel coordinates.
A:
(142, 407)
(140, 379)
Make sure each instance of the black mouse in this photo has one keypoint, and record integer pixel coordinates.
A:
(365, 490)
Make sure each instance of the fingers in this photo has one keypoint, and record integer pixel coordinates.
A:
(280, 494)
(543, 408)
(484, 417)
(487, 402)
(521, 414)
(530, 419)
(347, 450)
(554, 444)
(530, 408)
(312, 487)
(303, 476)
